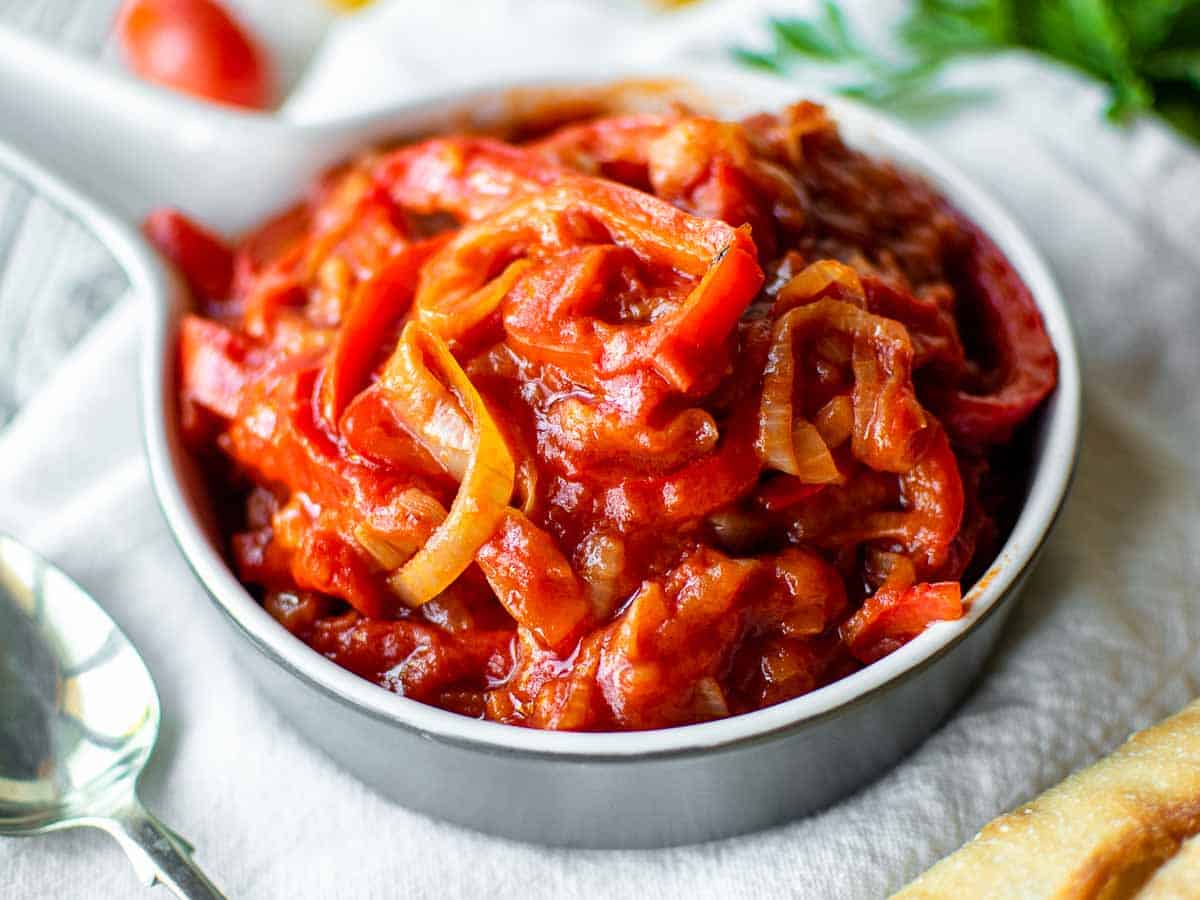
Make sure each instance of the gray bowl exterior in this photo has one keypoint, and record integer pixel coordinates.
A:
(641, 801)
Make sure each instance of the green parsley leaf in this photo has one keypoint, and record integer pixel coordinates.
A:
(1146, 51)
(753, 59)
(946, 28)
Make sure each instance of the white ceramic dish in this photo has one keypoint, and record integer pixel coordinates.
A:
(637, 789)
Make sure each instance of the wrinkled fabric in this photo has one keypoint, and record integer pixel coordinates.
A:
(1105, 641)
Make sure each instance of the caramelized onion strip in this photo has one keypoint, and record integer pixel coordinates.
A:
(887, 417)
(426, 407)
(483, 494)
(820, 279)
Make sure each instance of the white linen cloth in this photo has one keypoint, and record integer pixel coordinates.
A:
(1106, 640)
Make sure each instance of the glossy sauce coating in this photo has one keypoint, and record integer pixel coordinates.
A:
(646, 421)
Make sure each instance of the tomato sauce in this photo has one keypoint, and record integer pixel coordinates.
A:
(645, 421)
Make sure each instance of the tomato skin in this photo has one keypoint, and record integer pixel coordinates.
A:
(197, 47)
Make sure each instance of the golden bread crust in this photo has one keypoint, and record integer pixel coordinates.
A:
(1099, 835)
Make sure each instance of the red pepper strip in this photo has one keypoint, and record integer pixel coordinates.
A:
(201, 257)
(380, 303)
(409, 658)
(473, 177)
(703, 166)
(276, 436)
(931, 328)
(546, 315)
(279, 285)
(708, 168)
(678, 345)
(656, 230)
(932, 493)
(535, 582)
(675, 633)
(327, 562)
(783, 491)
(269, 241)
(612, 147)
(589, 435)
(975, 539)
(685, 338)
(371, 428)
(215, 365)
(894, 616)
(694, 490)
(1027, 368)
(468, 177)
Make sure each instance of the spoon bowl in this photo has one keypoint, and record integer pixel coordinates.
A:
(79, 717)
(80, 711)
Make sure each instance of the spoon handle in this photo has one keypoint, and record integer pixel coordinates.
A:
(158, 854)
(129, 144)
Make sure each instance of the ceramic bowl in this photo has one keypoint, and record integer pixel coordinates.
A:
(651, 788)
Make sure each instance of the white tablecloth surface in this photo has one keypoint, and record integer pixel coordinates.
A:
(1106, 640)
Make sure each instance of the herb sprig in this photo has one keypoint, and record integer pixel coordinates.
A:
(1146, 51)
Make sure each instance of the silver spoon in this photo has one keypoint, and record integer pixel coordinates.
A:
(78, 720)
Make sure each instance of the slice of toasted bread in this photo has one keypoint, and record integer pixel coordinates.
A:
(1179, 878)
(1102, 833)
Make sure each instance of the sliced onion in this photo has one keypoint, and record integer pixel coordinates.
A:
(451, 308)
(600, 561)
(527, 485)
(526, 497)
(427, 408)
(405, 525)
(888, 418)
(814, 462)
(788, 442)
(816, 279)
(835, 420)
(388, 552)
(483, 494)
(710, 699)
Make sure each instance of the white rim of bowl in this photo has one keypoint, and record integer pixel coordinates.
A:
(1049, 482)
